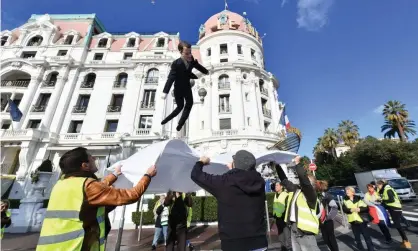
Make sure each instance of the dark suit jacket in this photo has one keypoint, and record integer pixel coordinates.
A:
(181, 76)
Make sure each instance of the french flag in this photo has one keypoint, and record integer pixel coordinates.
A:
(284, 120)
(378, 214)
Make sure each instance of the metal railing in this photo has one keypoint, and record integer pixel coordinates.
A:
(38, 108)
(224, 86)
(79, 109)
(87, 85)
(114, 108)
(119, 84)
(264, 91)
(151, 80)
(227, 132)
(225, 109)
(142, 131)
(15, 83)
(266, 112)
(50, 83)
(147, 105)
(35, 43)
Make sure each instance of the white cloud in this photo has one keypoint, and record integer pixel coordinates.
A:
(313, 14)
(379, 109)
(283, 3)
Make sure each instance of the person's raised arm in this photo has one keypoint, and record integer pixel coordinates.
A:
(305, 184)
(206, 181)
(111, 178)
(99, 194)
(171, 78)
(287, 184)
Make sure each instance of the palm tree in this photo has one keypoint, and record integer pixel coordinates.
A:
(330, 141)
(348, 132)
(396, 114)
(391, 129)
(319, 147)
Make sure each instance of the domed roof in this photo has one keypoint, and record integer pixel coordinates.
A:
(227, 20)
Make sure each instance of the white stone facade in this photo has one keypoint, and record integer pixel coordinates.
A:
(78, 85)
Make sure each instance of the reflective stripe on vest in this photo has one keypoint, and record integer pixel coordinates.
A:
(397, 202)
(8, 214)
(354, 217)
(279, 204)
(306, 218)
(62, 228)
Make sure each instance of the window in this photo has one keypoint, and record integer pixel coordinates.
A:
(264, 103)
(6, 125)
(29, 54)
(160, 42)
(51, 80)
(248, 121)
(127, 56)
(149, 99)
(111, 125)
(239, 49)
(89, 81)
(98, 56)
(202, 125)
(145, 122)
(116, 103)
(224, 60)
(44, 99)
(224, 103)
(224, 49)
(158, 53)
(35, 41)
(252, 53)
(69, 39)
(247, 98)
(209, 52)
(225, 124)
(131, 42)
(75, 126)
(102, 43)
(121, 81)
(152, 76)
(82, 104)
(4, 40)
(266, 126)
(223, 82)
(34, 124)
(62, 52)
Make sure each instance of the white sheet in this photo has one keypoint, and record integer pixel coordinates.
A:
(174, 160)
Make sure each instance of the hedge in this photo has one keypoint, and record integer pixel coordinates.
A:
(205, 209)
(14, 204)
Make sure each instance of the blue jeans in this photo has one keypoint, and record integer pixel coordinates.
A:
(157, 234)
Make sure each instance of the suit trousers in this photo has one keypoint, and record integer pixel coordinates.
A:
(181, 95)
(328, 234)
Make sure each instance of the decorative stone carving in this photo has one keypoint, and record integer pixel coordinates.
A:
(122, 69)
(224, 143)
(245, 143)
(90, 70)
(16, 65)
(138, 76)
(223, 18)
(201, 30)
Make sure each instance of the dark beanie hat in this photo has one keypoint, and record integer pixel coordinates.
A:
(244, 160)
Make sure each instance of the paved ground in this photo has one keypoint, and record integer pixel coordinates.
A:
(206, 238)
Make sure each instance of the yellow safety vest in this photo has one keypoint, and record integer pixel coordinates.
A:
(279, 204)
(8, 214)
(354, 217)
(397, 202)
(62, 228)
(189, 211)
(306, 218)
(369, 197)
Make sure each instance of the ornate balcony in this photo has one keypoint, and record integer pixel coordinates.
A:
(142, 132)
(224, 86)
(119, 85)
(264, 91)
(148, 105)
(87, 85)
(114, 108)
(151, 80)
(79, 109)
(227, 132)
(38, 108)
(15, 83)
(267, 112)
(50, 83)
(225, 109)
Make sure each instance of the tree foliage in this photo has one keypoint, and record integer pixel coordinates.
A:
(397, 121)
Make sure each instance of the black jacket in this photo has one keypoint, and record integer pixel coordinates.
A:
(181, 76)
(241, 206)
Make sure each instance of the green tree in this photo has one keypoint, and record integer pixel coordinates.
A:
(391, 128)
(330, 141)
(348, 132)
(396, 114)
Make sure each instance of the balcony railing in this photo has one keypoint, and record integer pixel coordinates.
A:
(35, 43)
(266, 112)
(264, 91)
(142, 131)
(50, 83)
(147, 105)
(119, 84)
(225, 109)
(87, 85)
(227, 132)
(224, 86)
(79, 109)
(224, 52)
(38, 108)
(114, 108)
(15, 83)
(96, 136)
(151, 80)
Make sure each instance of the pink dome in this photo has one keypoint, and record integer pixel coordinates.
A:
(227, 20)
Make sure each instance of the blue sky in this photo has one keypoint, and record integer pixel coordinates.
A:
(335, 59)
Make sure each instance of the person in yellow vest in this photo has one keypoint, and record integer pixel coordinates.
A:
(178, 204)
(279, 208)
(159, 226)
(392, 203)
(302, 208)
(355, 208)
(6, 219)
(75, 217)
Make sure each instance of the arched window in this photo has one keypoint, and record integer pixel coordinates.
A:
(102, 43)
(89, 81)
(69, 39)
(51, 80)
(4, 40)
(121, 80)
(263, 89)
(223, 82)
(35, 41)
(152, 76)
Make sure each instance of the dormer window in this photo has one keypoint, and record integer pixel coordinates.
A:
(131, 42)
(35, 41)
(4, 40)
(224, 49)
(69, 39)
(160, 42)
(102, 43)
